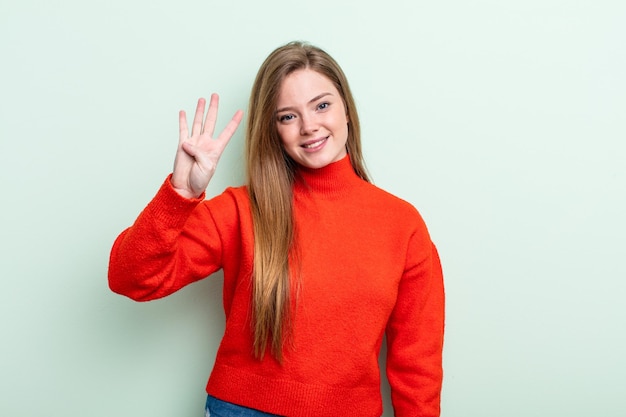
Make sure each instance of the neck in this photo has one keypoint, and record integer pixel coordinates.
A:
(334, 179)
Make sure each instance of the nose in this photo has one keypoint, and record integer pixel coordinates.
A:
(308, 125)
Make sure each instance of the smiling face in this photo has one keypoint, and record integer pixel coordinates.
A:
(311, 119)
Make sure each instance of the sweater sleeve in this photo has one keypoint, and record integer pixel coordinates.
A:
(172, 243)
(415, 333)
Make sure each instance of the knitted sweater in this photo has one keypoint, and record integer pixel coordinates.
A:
(367, 268)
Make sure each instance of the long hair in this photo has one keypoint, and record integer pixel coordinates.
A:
(270, 176)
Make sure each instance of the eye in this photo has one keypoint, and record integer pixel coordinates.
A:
(285, 117)
(323, 106)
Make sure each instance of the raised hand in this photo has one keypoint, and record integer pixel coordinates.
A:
(198, 154)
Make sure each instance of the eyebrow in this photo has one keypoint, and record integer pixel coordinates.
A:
(310, 101)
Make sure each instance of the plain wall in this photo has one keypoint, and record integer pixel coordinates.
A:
(503, 122)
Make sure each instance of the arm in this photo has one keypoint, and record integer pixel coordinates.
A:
(415, 334)
(174, 242)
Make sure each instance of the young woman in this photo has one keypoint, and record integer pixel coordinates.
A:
(319, 264)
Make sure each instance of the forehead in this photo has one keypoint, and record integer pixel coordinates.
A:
(302, 85)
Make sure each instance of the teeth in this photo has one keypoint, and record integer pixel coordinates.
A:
(314, 144)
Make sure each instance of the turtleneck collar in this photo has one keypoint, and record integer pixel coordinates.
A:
(333, 180)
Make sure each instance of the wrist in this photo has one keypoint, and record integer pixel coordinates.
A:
(184, 192)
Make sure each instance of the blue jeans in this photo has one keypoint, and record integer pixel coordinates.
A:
(219, 408)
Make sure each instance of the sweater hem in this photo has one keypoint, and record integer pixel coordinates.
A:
(291, 398)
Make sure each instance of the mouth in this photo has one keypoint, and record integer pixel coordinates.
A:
(315, 143)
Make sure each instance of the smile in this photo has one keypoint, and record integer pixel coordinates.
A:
(314, 144)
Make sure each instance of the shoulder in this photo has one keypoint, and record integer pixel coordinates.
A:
(398, 218)
(390, 202)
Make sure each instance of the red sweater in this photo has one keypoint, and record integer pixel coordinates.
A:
(368, 267)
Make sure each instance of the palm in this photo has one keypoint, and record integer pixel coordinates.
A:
(198, 154)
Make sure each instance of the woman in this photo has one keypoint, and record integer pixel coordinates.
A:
(319, 265)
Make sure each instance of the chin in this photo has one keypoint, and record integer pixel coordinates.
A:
(315, 163)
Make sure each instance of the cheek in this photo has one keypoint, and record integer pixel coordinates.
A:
(286, 135)
(342, 123)
(341, 119)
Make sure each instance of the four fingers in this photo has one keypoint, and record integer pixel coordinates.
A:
(207, 126)
(202, 151)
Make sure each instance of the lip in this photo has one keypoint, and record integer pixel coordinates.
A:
(322, 141)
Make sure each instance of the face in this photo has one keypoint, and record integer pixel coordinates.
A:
(311, 119)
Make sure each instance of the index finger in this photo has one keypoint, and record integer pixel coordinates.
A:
(231, 127)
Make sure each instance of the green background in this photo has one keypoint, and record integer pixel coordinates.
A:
(502, 121)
